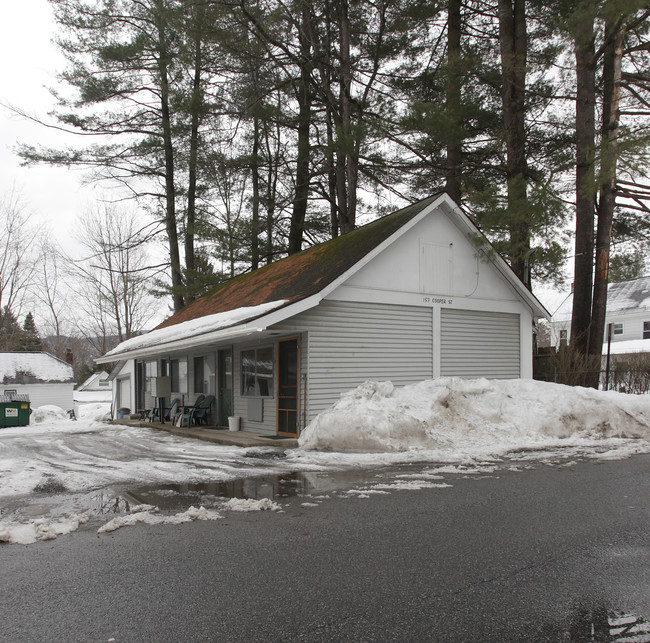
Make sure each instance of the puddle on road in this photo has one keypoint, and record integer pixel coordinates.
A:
(276, 487)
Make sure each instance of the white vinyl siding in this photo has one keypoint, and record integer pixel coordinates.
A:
(60, 395)
(479, 344)
(350, 343)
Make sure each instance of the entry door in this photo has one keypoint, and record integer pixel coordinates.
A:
(288, 387)
(224, 377)
(125, 392)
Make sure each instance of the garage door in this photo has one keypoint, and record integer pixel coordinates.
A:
(479, 344)
(125, 393)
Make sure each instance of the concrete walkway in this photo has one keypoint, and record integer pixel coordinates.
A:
(218, 436)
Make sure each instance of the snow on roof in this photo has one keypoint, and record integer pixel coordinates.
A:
(35, 367)
(552, 299)
(195, 327)
(623, 295)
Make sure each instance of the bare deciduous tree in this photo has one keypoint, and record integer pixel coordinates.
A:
(113, 275)
(16, 261)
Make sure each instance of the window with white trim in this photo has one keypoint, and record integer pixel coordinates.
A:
(257, 372)
(617, 328)
(646, 330)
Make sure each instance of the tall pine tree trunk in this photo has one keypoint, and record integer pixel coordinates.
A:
(170, 186)
(195, 110)
(613, 54)
(255, 178)
(585, 132)
(303, 144)
(454, 149)
(513, 44)
(346, 165)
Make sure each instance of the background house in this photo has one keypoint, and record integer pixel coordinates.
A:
(413, 295)
(46, 379)
(98, 388)
(628, 310)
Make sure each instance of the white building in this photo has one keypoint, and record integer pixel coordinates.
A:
(628, 310)
(413, 295)
(46, 379)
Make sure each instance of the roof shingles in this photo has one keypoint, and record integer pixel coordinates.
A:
(300, 275)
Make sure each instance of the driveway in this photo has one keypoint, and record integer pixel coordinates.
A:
(542, 553)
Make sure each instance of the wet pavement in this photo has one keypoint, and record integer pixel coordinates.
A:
(546, 553)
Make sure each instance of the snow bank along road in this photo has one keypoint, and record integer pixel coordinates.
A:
(57, 474)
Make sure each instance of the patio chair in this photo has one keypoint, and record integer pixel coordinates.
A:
(167, 412)
(200, 411)
(185, 412)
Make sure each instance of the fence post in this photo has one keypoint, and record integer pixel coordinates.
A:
(609, 346)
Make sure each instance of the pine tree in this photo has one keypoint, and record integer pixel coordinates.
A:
(30, 341)
(11, 333)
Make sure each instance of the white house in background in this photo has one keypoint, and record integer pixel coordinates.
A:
(46, 379)
(96, 382)
(414, 295)
(97, 388)
(628, 310)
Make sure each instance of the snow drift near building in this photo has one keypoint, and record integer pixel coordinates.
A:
(487, 415)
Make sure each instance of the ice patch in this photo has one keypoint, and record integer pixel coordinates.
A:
(39, 529)
(249, 504)
(155, 518)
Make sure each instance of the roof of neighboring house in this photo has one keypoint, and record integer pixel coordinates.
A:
(632, 295)
(626, 295)
(244, 303)
(96, 382)
(34, 368)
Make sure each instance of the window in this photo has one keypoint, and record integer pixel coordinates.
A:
(646, 330)
(564, 339)
(150, 370)
(199, 367)
(618, 328)
(257, 372)
(178, 373)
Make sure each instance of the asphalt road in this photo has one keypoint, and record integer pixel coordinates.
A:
(548, 554)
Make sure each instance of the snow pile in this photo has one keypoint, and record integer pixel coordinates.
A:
(40, 529)
(47, 413)
(249, 504)
(472, 416)
(97, 412)
(154, 518)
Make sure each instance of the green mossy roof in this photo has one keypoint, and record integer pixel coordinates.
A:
(300, 275)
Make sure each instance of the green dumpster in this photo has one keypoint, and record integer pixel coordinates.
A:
(14, 410)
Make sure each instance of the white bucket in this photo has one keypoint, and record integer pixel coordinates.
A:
(233, 423)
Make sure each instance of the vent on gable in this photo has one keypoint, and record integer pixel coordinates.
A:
(436, 268)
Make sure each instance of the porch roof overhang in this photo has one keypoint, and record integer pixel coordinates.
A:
(213, 329)
(215, 337)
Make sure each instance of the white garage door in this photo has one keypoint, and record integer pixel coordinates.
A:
(479, 344)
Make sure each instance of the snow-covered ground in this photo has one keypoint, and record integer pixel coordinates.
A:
(58, 474)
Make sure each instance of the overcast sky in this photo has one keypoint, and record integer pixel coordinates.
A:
(29, 63)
